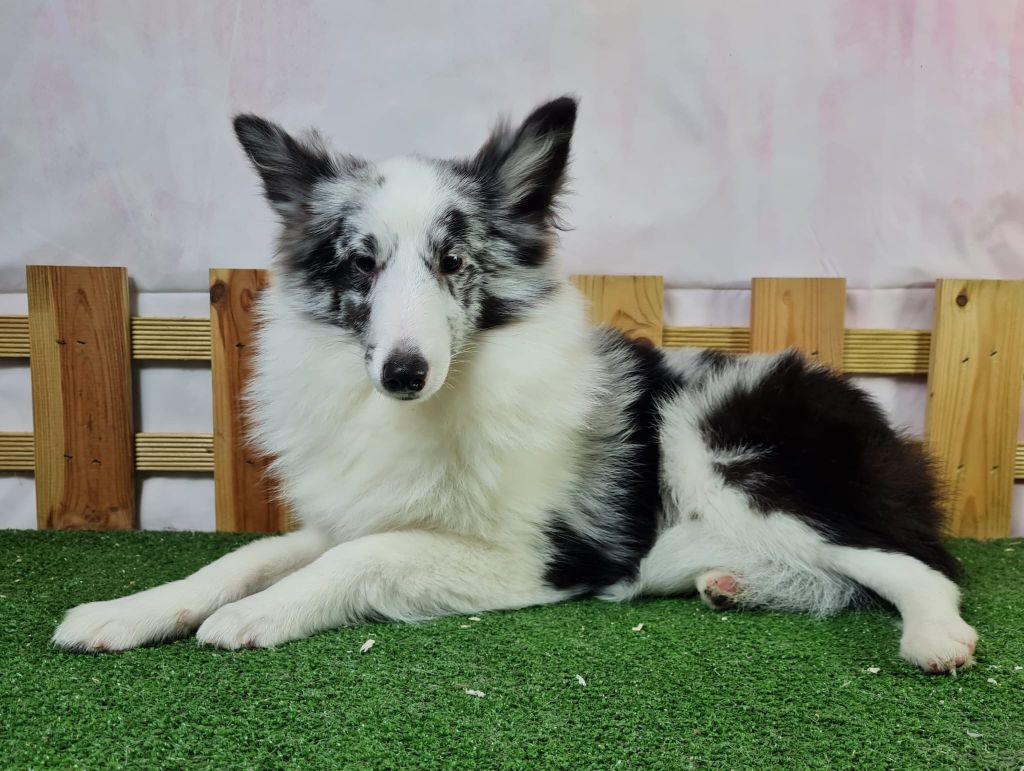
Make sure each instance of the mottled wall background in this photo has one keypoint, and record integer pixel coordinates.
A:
(879, 140)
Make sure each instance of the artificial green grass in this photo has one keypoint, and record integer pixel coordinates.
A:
(693, 689)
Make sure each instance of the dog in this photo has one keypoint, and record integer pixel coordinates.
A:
(455, 437)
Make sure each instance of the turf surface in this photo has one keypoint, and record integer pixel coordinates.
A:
(692, 689)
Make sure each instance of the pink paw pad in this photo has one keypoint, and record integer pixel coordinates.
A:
(726, 585)
(720, 591)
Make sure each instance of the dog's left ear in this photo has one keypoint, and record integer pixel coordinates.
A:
(531, 163)
(289, 167)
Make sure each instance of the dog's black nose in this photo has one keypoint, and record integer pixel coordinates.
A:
(405, 373)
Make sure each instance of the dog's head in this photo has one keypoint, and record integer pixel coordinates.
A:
(412, 257)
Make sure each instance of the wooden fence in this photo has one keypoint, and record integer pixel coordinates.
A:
(81, 340)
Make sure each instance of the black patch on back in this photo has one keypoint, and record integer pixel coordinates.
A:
(631, 518)
(820, 449)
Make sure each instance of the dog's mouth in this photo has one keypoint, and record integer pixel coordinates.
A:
(405, 397)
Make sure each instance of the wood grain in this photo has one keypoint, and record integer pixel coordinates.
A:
(244, 493)
(803, 313)
(81, 398)
(632, 304)
(974, 393)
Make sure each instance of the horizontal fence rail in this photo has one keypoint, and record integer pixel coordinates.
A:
(972, 358)
(188, 452)
(170, 339)
(866, 351)
(14, 337)
(153, 452)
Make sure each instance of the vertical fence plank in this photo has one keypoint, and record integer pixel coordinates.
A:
(245, 500)
(632, 304)
(803, 313)
(81, 397)
(974, 390)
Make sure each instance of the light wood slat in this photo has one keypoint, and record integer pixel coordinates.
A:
(153, 338)
(866, 351)
(153, 452)
(886, 351)
(803, 313)
(974, 391)
(81, 397)
(16, 451)
(632, 304)
(245, 501)
(190, 452)
(170, 339)
(174, 452)
(731, 339)
(14, 337)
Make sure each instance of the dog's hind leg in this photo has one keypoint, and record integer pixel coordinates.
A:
(407, 575)
(178, 608)
(935, 637)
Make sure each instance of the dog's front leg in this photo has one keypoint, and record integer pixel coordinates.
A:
(399, 576)
(173, 610)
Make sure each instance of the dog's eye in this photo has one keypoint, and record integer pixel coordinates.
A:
(364, 265)
(451, 263)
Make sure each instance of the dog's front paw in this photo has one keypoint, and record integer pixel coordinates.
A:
(939, 646)
(128, 622)
(249, 623)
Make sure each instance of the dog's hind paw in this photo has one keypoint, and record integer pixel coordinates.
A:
(718, 590)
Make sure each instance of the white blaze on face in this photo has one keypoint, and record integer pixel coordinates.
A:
(409, 316)
(409, 306)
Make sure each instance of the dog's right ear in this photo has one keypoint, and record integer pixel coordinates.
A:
(288, 167)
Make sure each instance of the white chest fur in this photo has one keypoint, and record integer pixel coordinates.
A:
(492, 454)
